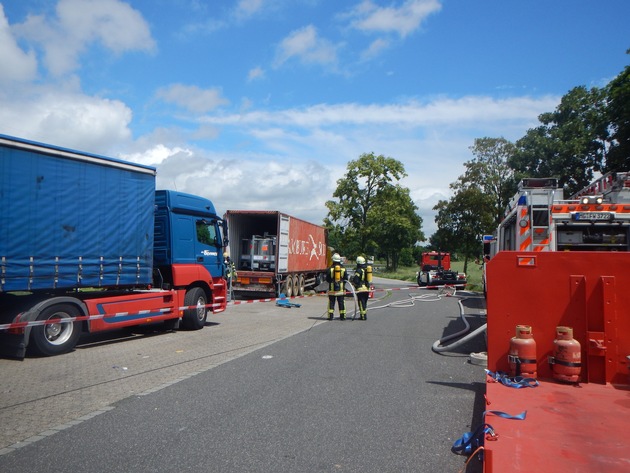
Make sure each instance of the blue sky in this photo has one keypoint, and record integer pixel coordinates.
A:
(260, 104)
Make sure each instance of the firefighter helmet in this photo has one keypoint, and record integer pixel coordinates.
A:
(336, 258)
(360, 260)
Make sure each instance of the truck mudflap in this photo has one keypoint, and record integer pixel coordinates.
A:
(14, 341)
(12, 345)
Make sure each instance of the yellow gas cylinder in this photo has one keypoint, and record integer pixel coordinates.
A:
(566, 363)
(337, 272)
(369, 274)
(522, 354)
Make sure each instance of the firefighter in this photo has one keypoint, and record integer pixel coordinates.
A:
(230, 274)
(362, 280)
(336, 277)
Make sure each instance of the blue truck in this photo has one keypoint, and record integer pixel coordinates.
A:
(88, 244)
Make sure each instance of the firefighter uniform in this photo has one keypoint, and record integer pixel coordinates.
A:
(336, 277)
(362, 280)
(230, 274)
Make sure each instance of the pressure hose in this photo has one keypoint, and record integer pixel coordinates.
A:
(354, 296)
(438, 347)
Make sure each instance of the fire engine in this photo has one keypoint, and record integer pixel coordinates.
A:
(435, 270)
(538, 218)
(557, 266)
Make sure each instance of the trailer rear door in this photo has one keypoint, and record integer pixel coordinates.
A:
(283, 244)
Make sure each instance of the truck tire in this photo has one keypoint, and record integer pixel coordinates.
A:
(288, 286)
(300, 285)
(195, 319)
(56, 338)
(296, 285)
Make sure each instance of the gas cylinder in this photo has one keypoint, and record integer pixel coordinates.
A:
(566, 363)
(369, 274)
(337, 272)
(522, 354)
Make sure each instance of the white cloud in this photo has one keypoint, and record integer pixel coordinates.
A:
(259, 182)
(17, 65)
(306, 45)
(155, 155)
(442, 111)
(192, 98)
(407, 18)
(375, 48)
(66, 117)
(247, 8)
(255, 73)
(79, 23)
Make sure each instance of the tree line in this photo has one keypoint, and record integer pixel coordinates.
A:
(587, 134)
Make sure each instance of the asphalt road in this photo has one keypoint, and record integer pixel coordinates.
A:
(261, 389)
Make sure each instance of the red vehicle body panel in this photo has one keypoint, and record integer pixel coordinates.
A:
(434, 258)
(152, 306)
(307, 246)
(132, 309)
(569, 427)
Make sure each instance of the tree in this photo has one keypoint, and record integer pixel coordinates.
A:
(462, 222)
(489, 171)
(571, 143)
(394, 224)
(363, 197)
(618, 109)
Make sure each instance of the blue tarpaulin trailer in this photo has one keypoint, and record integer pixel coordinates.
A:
(72, 219)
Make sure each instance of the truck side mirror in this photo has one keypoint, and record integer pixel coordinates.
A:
(224, 226)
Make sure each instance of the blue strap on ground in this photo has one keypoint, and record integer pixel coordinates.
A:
(515, 382)
(471, 441)
(286, 303)
(505, 415)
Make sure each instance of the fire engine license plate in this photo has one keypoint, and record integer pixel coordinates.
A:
(592, 216)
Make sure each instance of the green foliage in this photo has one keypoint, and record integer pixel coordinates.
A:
(394, 222)
(571, 143)
(406, 257)
(619, 118)
(372, 214)
(490, 172)
(463, 220)
(481, 194)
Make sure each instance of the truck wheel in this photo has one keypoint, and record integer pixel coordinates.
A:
(300, 286)
(195, 319)
(288, 286)
(56, 338)
(296, 285)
